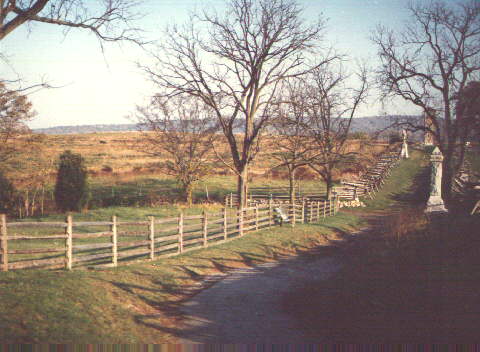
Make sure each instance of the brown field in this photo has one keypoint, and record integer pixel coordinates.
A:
(119, 154)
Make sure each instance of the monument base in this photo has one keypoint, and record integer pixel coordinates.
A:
(435, 205)
(404, 152)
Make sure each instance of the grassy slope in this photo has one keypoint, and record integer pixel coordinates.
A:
(414, 279)
(136, 303)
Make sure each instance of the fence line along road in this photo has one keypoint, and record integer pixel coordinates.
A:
(73, 244)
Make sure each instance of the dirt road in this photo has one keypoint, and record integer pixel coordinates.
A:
(246, 306)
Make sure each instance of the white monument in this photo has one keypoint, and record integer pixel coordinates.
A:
(435, 202)
(404, 152)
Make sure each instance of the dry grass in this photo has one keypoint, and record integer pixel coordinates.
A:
(121, 152)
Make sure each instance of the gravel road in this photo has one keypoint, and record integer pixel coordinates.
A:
(246, 306)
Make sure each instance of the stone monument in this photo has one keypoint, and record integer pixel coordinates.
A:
(404, 152)
(435, 202)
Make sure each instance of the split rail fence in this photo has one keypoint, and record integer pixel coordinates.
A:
(371, 181)
(111, 243)
(367, 185)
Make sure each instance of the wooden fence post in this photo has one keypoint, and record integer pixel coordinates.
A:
(270, 213)
(114, 239)
(205, 228)
(180, 233)
(311, 212)
(324, 208)
(256, 217)
(4, 242)
(69, 243)
(225, 223)
(330, 206)
(294, 213)
(318, 210)
(151, 227)
(240, 222)
(231, 199)
(303, 210)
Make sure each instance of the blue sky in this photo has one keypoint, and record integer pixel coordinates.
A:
(104, 88)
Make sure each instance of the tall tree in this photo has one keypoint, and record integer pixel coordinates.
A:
(234, 63)
(109, 20)
(333, 99)
(181, 130)
(428, 63)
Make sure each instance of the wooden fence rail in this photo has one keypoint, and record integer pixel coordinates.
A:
(82, 244)
(371, 181)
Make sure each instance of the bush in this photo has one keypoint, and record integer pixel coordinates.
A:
(71, 188)
(7, 194)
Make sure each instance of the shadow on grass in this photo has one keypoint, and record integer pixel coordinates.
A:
(418, 193)
(416, 283)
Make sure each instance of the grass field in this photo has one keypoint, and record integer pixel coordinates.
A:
(136, 303)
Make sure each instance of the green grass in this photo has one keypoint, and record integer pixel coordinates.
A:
(405, 185)
(135, 303)
(139, 303)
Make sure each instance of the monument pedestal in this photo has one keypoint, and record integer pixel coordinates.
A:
(435, 202)
(435, 205)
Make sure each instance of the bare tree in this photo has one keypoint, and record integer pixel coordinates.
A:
(332, 103)
(291, 145)
(234, 62)
(182, 130)
(428, 63)
(109, 20)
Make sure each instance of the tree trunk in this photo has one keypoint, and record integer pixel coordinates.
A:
(242, 188)
(329, 183)
(188, 193)
(447, 178)
(42, 201)
(291, 179)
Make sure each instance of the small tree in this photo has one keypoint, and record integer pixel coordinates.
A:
(182, 130)
(332, 104)
(71, 189)
(290, 122)
(7, 194)
(15, 111)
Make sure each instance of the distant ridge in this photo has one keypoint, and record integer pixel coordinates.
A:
(87, 129)
(369, 124)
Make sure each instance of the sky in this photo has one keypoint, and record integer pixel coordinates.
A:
(95, 87)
